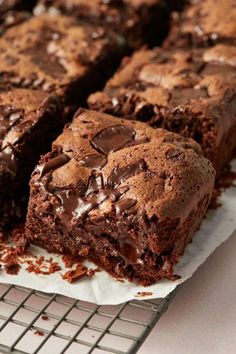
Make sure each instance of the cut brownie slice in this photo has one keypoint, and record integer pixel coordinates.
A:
(58, 54)
(29, 120)
(204, 23)
(191, 92)
(138, 21)
(127, 195)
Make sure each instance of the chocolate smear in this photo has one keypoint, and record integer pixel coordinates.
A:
(122, 174)
(52, 164)
(94, 161)
(113, 139)
(124, 204)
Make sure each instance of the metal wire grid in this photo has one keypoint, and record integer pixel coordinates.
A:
(34, 322)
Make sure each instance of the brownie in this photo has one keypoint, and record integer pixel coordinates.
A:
(138, 20)
(191, 92)
(56, 53)
(128, 196)
(29, 121)
(203, 23)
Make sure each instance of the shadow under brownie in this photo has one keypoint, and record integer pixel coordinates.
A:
(191, 92)
(126, 195)
(29, 121)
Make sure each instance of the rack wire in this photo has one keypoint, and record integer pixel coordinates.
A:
(33, 322)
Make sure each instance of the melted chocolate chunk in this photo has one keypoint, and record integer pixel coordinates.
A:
(185, 95)
(94, 161)
(122, 174)
(173, 154)
(129, 248)
(113, 138)
(74, 206)
(8, 156)
(124, 204)
(52, 164)
(8, 118)
(95, 183)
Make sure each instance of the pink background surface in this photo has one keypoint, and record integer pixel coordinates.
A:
(202, 317)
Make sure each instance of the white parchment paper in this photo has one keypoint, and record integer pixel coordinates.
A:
(217, 227)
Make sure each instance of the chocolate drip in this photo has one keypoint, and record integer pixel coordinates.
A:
(124, 204)
(122, 174)
(74, 206)
(9, 117)
(52, 164)
(8, 156)
(94, 161)
(128, 249)
(95, 183)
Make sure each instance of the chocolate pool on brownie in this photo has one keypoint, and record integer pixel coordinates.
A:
(128, 196)
(29, 121)
(56, 53)
(191, 92)
(203, 23)
(139, 21)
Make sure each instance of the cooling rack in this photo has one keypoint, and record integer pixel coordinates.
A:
(34, 322)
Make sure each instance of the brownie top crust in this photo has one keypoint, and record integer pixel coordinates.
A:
(154, 84)
(101, 164)
(20, 112)
(51, 52)
(174, 77)
(112, 11)
(204, 22)
(139, 21)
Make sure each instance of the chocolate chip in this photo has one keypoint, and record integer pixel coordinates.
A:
(173, 154)
(113, 138)
(122, 174)
(52, 164)
(94, 161)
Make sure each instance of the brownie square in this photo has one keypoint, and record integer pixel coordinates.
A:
(128, 196)
(191, 92)
(29, 121)
(58, 54)
(139, 21)
(203, 23)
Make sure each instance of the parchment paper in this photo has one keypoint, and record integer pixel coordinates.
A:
(102, 289)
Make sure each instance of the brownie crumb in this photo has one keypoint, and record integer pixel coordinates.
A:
(12, 268)
(143, 293)
(73, 275)
(45, 318)
(39, 333)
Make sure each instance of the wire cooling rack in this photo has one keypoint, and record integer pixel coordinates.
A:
(34, 322)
